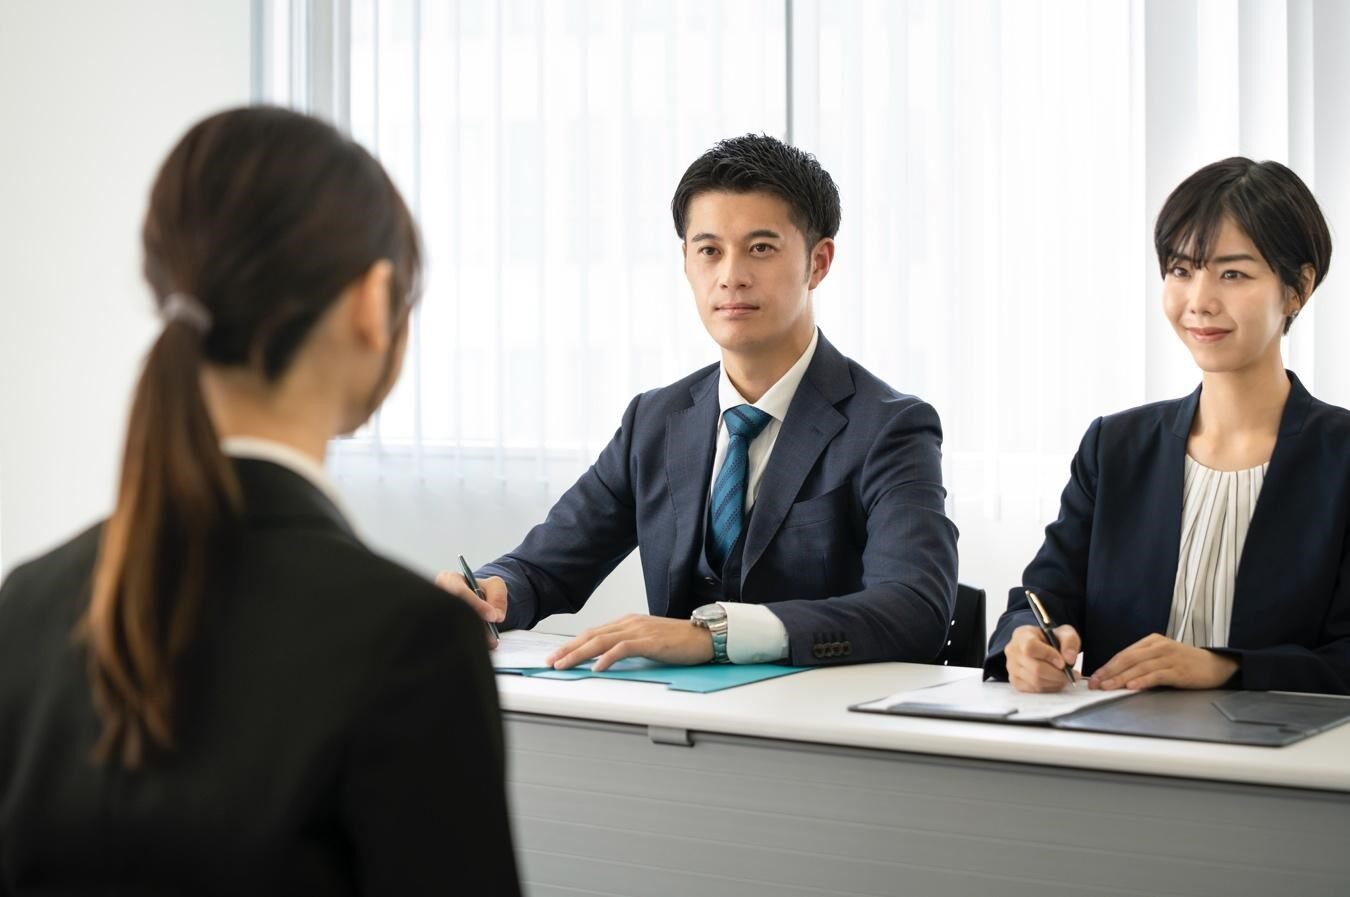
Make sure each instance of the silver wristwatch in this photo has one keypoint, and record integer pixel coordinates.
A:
(713, 617)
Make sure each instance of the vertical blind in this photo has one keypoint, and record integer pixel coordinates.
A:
(999, 163)
(539, 144)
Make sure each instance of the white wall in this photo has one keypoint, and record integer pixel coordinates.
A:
(92, 96)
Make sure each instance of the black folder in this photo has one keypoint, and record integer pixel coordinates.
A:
(1261, 718)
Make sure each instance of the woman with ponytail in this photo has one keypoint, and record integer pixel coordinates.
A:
(219, 689)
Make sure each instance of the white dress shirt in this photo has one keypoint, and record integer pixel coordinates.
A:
(754, 633)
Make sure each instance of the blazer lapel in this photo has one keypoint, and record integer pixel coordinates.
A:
(691, 437)
(811, 422)
(1283, 492)
(1166, 493)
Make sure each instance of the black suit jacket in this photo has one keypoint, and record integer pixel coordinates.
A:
(848, 543)
(339, 735)
(1109, 562)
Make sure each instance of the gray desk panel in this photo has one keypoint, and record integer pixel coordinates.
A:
(599, 809)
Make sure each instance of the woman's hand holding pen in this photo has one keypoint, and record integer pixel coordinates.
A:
(1035, 666)
(1158, 660)
(491, 608)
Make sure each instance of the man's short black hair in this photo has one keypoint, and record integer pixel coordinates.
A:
(1271, 204)
(760, 163)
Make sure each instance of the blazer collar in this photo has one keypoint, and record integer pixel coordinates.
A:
(276, 495)
(812, 422)
(1283, 496)
(691, 437)
(1296, 407)
(829, 373)
(1295, 414)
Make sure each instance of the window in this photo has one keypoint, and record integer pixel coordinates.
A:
(999, 164)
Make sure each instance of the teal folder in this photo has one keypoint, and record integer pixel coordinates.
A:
(703, 679)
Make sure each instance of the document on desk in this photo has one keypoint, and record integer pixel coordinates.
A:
(990, 701)
(521, 649)
(702, 678)
(523, 652)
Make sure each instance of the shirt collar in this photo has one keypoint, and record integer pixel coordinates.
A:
(294, 460)
(778, 397)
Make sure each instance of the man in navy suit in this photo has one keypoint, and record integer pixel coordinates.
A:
(787, 503)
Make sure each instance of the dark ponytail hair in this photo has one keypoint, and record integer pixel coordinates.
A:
(257, 221)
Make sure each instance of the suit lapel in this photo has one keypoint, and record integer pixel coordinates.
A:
(1283, 492)
(691, 437)
(811, 422)
(1167, 494)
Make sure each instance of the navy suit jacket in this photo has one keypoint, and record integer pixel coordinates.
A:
(1109, 562)
(848, 542)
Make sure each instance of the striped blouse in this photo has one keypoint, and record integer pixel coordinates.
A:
(1215, 513)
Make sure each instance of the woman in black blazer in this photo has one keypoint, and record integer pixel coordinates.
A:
(219, 689)
(1204, 542)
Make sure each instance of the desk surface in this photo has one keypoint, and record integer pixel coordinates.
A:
(812, 707)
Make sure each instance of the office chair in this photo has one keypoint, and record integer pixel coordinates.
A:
(966, 639)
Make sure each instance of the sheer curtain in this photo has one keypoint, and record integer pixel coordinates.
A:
(999, 162)
(539, 143)
(985, 154)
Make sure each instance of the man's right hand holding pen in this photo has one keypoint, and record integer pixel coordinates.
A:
(491, 608)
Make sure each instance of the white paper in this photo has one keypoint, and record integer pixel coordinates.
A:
(998, 698)
(522, 649)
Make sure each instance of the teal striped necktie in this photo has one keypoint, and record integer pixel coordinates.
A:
(726, 510)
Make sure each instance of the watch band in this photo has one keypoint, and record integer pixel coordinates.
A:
(716, 624)
(719, 640)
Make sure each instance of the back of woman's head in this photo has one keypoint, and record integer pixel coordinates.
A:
(258, 220)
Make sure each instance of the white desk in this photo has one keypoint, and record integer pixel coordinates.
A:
(777, 789)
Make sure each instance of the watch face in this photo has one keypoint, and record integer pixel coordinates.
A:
(710, 613)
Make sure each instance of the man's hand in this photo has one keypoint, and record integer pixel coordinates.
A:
(493, 610)
(1033, 665)
(636, 635)
(1158, 660)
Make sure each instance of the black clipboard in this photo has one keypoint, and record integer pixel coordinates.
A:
(1259, 718)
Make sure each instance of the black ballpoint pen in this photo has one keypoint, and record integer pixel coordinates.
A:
(1047, 627)
(477, 590)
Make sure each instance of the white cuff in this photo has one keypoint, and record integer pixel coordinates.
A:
(754, 633)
